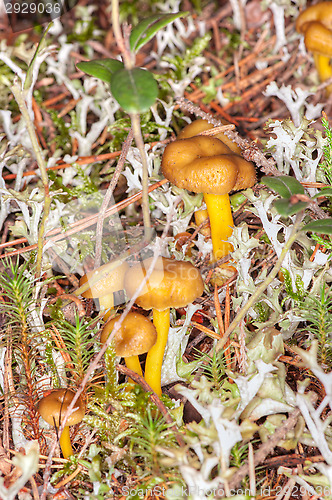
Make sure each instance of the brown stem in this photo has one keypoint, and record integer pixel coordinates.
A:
(20, 97)
(265, 449)
(108, 196)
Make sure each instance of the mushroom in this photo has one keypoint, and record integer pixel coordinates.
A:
(315, 23)
(135, 336)
(198, 126)
(171, 284)
(204, 164)
(103, 288)
(52, 408)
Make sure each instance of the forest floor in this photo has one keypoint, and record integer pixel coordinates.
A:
(246, 405)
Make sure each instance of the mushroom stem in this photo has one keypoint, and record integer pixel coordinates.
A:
(221, 222)
(65, 443)
(154, 359)
(106, 304)
(324, 69)
(132, 362)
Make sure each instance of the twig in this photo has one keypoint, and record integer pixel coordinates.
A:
(80, 225)
(217, 130)
(108, 196)
(251, 467)
(82, 160)
(20, 97)
(189, 106)
(135, 121)
(129, 62)
(262, 287)
(265, 449)
(78, 302)
(243, 358)
(120, 41)
(9, 389)
(154, 398)
(218, 311)
(251, 151)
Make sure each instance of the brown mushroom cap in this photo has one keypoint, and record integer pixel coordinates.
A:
(54, 406)
(136, 335)
(171, 284)
(206, 165)
(106, 285)
(321, 12)
(198, 126)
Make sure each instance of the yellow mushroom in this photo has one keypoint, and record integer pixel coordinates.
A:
(53, 407)
(204, 164)
(198, 126)
(104, 288)
(315, 23)
(135, 336)
(171, 284)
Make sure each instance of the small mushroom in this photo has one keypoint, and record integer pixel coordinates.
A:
(53, 407)
(315, 23)
(135, 336)
(206, 165)
(104, 288)
(171, 284)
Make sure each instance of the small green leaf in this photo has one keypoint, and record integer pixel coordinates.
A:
(284, 185)
(323, 226)
(101, 68)
(147, 28)
(285, 208)
(135, 89)
(323, 192)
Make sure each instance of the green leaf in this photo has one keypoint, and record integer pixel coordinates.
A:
(135, 89)
(285, 208)
(284, 185)
(323, 226)
(101, 68)
(147, 28)
(323, 192)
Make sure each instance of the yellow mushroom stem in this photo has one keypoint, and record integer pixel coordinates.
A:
(106, 305)
(65, 443)
(221, 222)
(324, 69)
(154, 359)
(132, 362)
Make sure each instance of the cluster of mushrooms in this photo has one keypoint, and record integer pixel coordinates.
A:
(211, 165)
(201, 163)
(315, 23)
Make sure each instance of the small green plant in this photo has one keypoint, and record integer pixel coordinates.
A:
(296, 295)
(17, 284)
(326, 165)
(150, 431)
(294, 200)
(215, 368)
(179, 65)
(79, 341)
(317, 312)
(135, 89)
